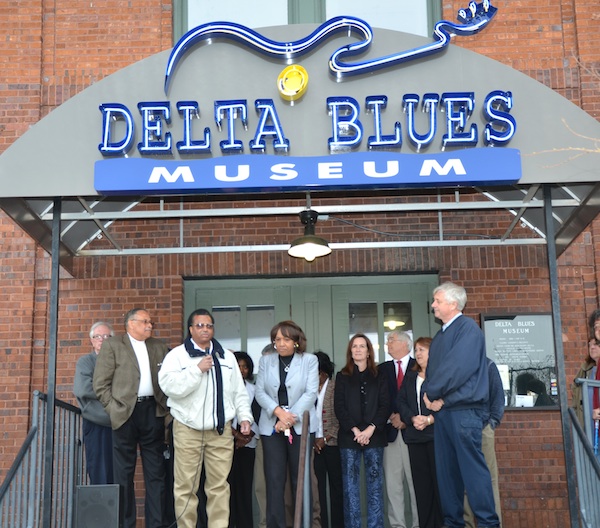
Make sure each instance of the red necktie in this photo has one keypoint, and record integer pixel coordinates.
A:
(400, 374)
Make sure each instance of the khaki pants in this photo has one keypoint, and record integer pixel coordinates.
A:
(396, 468)
(192, 449)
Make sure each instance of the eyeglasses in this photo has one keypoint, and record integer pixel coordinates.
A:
(200, 326)
(101, 336)
(144, 321)
(391, 340)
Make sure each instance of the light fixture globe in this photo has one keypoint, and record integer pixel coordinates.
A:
(309, 246)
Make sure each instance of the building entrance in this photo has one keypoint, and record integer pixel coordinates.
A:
(329, 309)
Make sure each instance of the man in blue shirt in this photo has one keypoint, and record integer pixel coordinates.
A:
(457, 389)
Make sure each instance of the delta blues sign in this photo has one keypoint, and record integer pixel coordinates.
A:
(300, 134)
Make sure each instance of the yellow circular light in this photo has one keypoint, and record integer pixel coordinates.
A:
(292, 82)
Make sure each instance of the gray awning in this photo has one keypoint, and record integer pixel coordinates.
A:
(56, 156)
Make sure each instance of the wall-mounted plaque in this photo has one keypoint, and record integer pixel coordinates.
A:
(523, 348)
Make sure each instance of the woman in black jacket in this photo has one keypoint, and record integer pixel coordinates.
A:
(418, 436)
(361, 404)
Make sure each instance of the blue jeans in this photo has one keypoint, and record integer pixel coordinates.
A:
(373, 459)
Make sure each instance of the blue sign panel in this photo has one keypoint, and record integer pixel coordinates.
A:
(255, 173)
(183, 128)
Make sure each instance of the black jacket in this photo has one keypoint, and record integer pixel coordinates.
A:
(388, 371)
(407, 403)
(354, 410)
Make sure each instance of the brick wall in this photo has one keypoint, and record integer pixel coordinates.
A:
(498, 279)
(556, 43)
(17, 289)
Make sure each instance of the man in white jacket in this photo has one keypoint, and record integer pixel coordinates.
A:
(205, 392)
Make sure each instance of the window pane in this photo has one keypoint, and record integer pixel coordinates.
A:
(258, 13)
(227, 326)
(363, 320)
(396, 316)
(363, 317)
(260, 321)
(410, 17)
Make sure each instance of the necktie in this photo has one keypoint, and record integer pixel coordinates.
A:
(400, 374)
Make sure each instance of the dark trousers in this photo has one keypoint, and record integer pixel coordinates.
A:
(328, 465)
(97, 441)
(146, 430)
(460, 465)
(422, 463)
(279, 456)
(240, 481)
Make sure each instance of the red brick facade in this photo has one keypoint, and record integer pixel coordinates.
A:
(54, 50)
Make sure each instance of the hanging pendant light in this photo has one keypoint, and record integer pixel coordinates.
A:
(309, 246)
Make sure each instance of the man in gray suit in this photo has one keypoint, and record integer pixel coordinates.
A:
(126, 383)
(97, 432)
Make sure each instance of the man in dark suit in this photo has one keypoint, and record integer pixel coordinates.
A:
(396, 462)
(126, 383)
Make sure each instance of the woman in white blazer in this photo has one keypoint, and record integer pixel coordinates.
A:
(286, 386)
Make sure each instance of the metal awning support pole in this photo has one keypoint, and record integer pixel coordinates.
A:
(52, 348)
(560, 358)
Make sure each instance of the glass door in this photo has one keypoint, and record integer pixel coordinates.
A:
(376, 310)
(244, 312)
(329, 309)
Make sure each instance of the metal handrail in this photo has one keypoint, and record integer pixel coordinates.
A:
(587, 411)
(588, 475)
(18, 462)
(21, 504)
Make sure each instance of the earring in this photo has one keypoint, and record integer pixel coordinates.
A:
(295, 345)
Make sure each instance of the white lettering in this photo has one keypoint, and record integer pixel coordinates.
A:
(162, 172)
(221, 173)
(330, 170)
(284, 171)
(393, 168)
(451, 164)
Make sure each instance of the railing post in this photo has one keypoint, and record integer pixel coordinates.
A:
(302, 511)
(559, 352)
(32, 502)
(588, 423)
(588, 475)
(52, 348)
